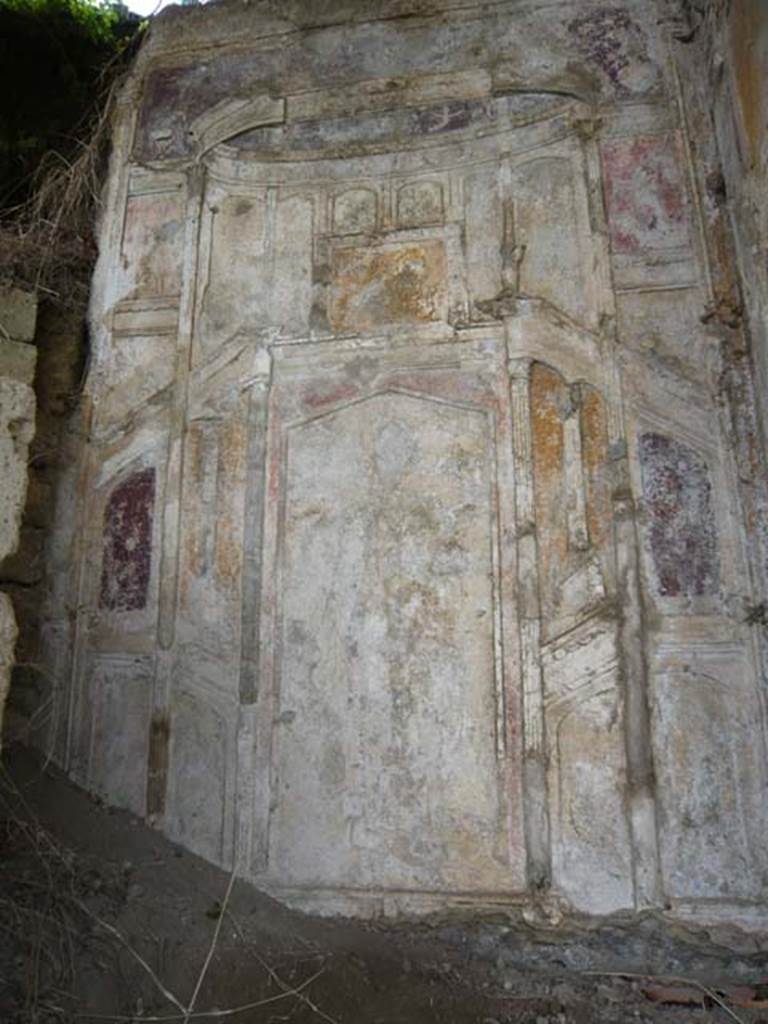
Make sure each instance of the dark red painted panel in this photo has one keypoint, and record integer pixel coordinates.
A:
(127, 552)
(678, 500)
(645, 193)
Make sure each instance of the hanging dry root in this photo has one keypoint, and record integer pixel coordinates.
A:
(48, 244)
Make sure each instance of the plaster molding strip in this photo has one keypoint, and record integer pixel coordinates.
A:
(535, 798)
(169, 562)
(172, 493)
(258, 408)
(685, 134)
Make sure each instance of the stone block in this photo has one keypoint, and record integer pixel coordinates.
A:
(8, 632)
(17, 426)
(17, 360)
(25, 565)
(18, 314)
(39, 507)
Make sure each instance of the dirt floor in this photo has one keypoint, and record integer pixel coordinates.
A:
(103, 919)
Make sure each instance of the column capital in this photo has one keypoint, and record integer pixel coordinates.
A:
(519, 368)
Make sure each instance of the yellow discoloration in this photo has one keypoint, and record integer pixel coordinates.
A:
(397, 284)
(549, 396)
(192, 564)
(231, 471)
(594, 445)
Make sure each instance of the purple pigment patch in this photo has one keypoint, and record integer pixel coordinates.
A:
(645, 194)
(678, 499)
(601, 37)
(609, 38)
(127, 553)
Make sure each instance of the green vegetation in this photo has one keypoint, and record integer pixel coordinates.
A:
(55, 62)
(61, 63)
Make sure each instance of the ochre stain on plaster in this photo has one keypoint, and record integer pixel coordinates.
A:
(193, 539)
(594, 446)
(748, 39)
(316, 397)
(157, 762)
(549, 400)
(194, 454)
(394, 284)
(228, 552)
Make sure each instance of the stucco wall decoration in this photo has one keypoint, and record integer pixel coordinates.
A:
(410, 558)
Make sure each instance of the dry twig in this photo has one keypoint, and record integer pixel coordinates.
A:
(287, 989)
(207, 1014)
(47, 243)
(137, 956)
(211, 948)
(60, 873)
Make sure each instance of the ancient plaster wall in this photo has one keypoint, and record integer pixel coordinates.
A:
(18, 310)
(410, 552)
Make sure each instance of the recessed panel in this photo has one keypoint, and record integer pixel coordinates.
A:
(385, 762)
(381, 285)
(710, 765)
(150, 257)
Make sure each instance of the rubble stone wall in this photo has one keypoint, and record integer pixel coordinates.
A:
(18, 311)
(416, 552)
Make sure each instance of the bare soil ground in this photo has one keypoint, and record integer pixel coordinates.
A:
(103, 919)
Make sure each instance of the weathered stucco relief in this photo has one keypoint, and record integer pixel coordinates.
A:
(410, 554)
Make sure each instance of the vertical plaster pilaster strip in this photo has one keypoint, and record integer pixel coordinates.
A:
(510, 268)
(169, 558)
(172, 492)
(258, 405)
(535, 796)
(600, 276)
(527, 571)
(208, 491)
(685, 132)
(633, 667)
(633, 671)
(245, 786)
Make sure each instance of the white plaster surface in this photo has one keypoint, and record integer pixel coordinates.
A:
(387, 649)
